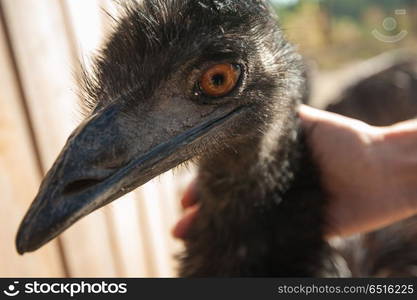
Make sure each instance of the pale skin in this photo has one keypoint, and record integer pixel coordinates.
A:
(368, 172)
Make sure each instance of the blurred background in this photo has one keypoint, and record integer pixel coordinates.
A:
(42, 43)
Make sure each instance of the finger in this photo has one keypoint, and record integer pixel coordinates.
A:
(321, 126)
(190, 195)
(183, 226)
(311, 116)
(406, 129)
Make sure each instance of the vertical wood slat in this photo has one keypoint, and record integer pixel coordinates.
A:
(44, 57)
(18, 167)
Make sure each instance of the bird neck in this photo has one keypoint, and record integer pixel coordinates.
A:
(255, 205)
(259, 163)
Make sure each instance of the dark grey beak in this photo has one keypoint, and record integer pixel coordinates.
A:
(103, 161)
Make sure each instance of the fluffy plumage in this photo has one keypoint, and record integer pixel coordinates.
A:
(255, 178)
(258, 187)
(156, 38)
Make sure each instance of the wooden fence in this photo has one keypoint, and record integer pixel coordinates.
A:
(41, 43)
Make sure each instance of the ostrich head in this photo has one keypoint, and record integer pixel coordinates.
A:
(177, 80)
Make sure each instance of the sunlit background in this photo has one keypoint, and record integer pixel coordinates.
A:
(41, 45)
(337, 32)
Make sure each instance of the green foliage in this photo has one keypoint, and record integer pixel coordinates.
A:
(347, 8)
(355, 8)
(334, 32)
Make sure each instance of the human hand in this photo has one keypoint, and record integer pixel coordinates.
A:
(369, 173)
(190, 206)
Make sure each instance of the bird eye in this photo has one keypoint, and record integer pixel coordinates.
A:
(220, 79)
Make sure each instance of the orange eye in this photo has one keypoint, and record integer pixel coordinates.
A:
(220, 80)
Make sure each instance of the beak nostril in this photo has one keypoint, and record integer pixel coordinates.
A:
(79, 186)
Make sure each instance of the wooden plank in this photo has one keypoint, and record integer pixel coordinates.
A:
(44, 58)
(86, 24)
(19, 179)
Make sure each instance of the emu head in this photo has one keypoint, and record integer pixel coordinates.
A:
(177, 80)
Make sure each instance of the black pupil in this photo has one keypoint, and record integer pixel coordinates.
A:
(218, 80)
